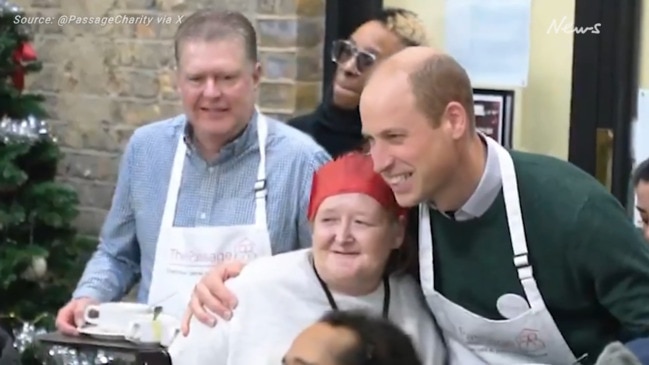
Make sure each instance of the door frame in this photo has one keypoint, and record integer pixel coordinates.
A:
(605, 86)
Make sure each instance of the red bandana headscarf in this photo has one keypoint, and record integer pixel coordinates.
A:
(351, 173)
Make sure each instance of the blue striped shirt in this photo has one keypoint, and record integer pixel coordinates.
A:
(219, 193)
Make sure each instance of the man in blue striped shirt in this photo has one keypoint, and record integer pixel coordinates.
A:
(219, 182)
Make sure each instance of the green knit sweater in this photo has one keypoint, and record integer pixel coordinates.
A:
(590, 263)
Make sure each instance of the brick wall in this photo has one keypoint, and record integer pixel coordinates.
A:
(102, 82)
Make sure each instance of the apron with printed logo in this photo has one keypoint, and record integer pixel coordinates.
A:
(529, 334)
(185, 254)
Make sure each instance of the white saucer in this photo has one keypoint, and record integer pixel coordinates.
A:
(101, 333)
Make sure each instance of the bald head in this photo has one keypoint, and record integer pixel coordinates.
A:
(409, 58)
(433, 78)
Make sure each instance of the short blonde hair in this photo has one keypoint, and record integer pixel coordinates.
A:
(214, 24)
(406, 24)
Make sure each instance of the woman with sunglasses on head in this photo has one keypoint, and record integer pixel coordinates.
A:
(336, 122)
(355, 264)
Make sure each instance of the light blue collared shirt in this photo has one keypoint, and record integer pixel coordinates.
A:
(486, 192)
(216, 194)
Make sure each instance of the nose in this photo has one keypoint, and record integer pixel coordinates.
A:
(380, 158)
(349, 65)
(343, 232)
(211, 89)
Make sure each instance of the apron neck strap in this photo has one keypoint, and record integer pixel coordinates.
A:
(260, 187)
(517, 236)
(175, 180)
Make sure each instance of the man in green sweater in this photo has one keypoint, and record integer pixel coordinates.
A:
(523, 258)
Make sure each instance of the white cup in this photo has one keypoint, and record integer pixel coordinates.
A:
(115, 316)
(146, 330)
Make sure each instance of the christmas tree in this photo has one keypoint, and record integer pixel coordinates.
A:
(40, 253)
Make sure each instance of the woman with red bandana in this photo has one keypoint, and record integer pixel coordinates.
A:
(355, 264)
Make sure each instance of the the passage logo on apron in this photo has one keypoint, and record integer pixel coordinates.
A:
(240, 251)
(530, 342)
(527, 342)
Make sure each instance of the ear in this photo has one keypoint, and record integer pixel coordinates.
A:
(456, 116)
(256, 75)
(400, 232)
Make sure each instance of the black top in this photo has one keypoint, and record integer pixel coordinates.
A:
(337, 130)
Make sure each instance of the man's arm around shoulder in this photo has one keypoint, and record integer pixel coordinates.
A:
(114, 266)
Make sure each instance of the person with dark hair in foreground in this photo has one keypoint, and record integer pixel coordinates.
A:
(352, 338)
(641, 185)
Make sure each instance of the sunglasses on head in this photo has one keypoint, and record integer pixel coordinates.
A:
(342, 51)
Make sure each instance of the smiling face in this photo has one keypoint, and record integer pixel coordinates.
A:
(415, 157)
(217, 84)
(373, 39)
(353, 236)
(642, 193)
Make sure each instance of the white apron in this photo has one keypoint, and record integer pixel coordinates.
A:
(527, 336)
(185, 254)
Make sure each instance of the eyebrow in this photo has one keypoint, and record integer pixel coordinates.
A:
(355, 213)
(394, 130)
(373, 51)
(328, 211)
(641, 209)
(367, 49)
(298, 361)
(385, 132)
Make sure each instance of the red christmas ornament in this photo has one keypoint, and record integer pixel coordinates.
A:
(24, 53)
